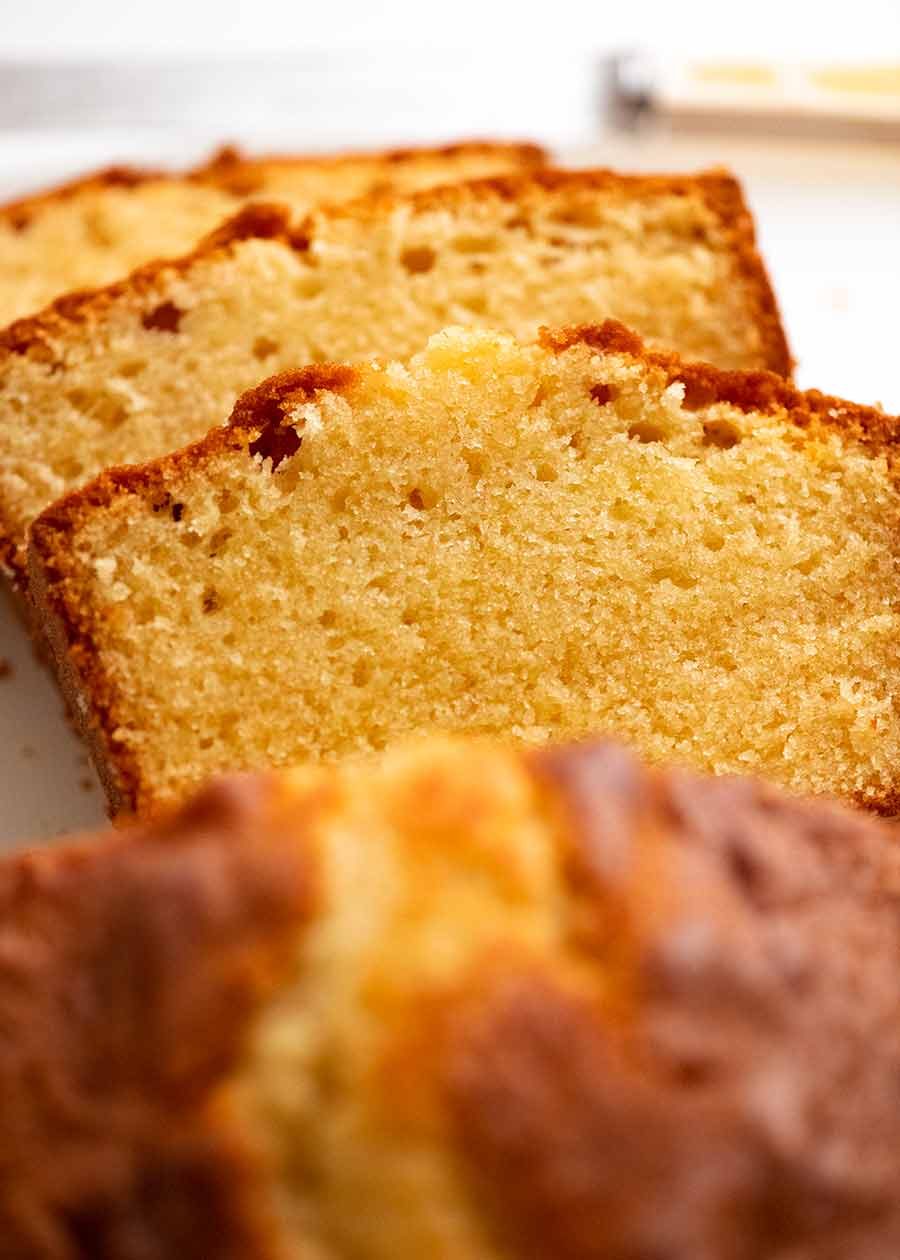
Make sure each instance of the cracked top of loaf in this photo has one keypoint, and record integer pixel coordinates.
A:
(458, 1000)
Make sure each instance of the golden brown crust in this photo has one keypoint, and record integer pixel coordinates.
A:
(723, 1087)
(67, 627)
(729, 1109)
(69, 624)
(270, 402)
(274, 222)
(19, 213)
(577, 1157)
(131, 969)
(705, 385)
(31, 335)
(35, 335)
(67, 632)
(724, 196)
(228, 168)
(274, 397)
(718, 189)
(236, 171)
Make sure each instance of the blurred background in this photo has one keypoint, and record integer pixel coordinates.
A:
(801, 100)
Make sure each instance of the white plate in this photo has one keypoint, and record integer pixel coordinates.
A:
(46, 782)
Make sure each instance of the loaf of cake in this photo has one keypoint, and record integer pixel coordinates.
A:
(544, 540)
(461, 1002)
(96, 229)
(142, 368)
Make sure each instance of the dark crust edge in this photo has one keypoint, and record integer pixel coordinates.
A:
(23, 208)
(705, 385)
(259, 220)
(274, 221)
(264, 219)
(718, 188)
(73, 650)
(220, 168)
(172, 937)
(534, 1065)
(229, 158)
(725, 198)
(70, 626)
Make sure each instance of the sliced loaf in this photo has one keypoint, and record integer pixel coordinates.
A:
(542, 540)
(98, 228)
(134, 371)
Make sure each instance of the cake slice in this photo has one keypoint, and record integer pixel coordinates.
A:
(96, 229)
(144, 367)
(459, 1002)
(541, 540)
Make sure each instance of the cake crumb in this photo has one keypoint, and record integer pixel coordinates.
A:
(28, 752)
(86, 784)
(6, 669)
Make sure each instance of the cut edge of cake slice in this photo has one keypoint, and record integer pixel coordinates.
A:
(233, 169)
(146, 293)
(19, 212)
(93, 230)
(237, 171)
(262, 425)
(268, 220)
(719, 189)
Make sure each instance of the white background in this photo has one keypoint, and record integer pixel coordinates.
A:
(778, 28)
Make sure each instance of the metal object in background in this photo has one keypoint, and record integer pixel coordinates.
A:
(830, 102)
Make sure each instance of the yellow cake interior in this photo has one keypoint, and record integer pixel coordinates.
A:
(154, 370)
(98, 233)
(427, 873)
(499, 538)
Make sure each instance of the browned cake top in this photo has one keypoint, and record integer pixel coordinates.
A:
(241, 173)
(618, 1013)
(129, 969)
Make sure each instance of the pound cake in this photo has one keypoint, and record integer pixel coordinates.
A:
(545, 540)
(140, 369)
(95, 230)
(458, 1002)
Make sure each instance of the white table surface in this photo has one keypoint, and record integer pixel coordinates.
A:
(829, 223)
